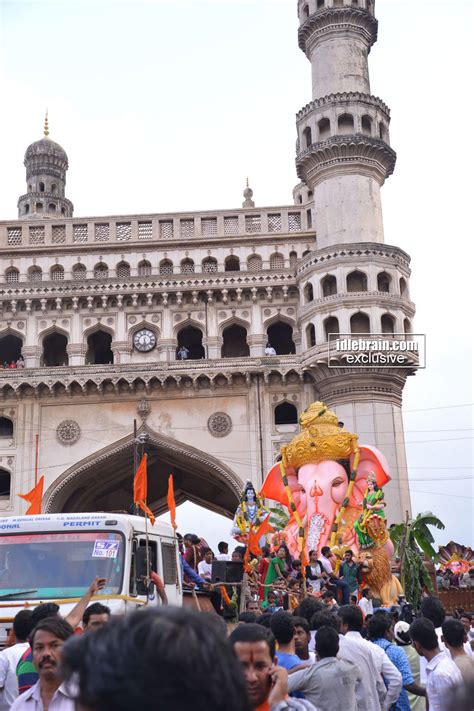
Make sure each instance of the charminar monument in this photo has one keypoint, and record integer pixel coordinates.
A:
(208, 329)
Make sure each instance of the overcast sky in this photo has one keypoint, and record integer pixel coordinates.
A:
(167, 106)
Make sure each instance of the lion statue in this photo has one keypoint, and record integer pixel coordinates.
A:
(377, 575)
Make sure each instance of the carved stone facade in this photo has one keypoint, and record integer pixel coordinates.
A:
(166, 318)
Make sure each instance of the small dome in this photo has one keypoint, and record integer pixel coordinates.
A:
(46, 147)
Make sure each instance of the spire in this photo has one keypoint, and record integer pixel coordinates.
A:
(248, 193)
(46, 125)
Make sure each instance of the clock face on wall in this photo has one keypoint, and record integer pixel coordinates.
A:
(144, 340)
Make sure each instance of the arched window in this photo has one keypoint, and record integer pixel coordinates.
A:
(79, 272)
(382, 130)
(280, 336)
(10, 349)
(331, 327)
(99, 348)
(388, 324)
(307, 251)
(41, 187)
(345, 124)
(307, 137)
(35, 274)
(366, 124)
(235, 342)
(308, 293)
(356, 281)
(39, 207)
(407, 326)
(329, 285)
(57, 273)
(293, 259)
(286, 414)
(52, 207)
(122, 270)
(254, 263)
(232, 264)
(305, 12)
(190, 344)
(277, 261)
(383, 282)
(54, 350)
(320, 4)
(5, 484)
(310, 336)
(12, 275)
(54, 188)
(209, 265)
(6, 427)
(403, 287)
(324, 129)
(26, 210)
(187, 266)
(101, 271)
(144, 268)
(360, 323)
(166, 267)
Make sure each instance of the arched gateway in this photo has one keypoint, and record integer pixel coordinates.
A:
(103, 481)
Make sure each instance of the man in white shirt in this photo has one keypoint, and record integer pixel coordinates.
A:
(365, 602)
(327, 558)
(443, 678)
(10, 657)
(205, 566)
(46, 642)
(351, 626)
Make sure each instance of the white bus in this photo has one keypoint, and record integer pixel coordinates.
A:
(55, 557)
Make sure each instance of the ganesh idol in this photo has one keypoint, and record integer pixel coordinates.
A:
(332, 487)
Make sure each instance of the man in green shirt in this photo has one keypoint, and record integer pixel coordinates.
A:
(349, 571)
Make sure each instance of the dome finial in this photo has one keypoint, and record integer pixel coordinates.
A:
(248, 194)
(46, 124)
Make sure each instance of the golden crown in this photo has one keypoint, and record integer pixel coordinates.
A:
(321, 438)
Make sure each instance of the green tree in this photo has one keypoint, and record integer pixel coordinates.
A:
(413, 540)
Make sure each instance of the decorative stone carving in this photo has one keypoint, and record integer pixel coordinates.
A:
(144, 408)
(219, 424)
(68, 432)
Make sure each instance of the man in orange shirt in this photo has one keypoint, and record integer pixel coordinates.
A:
(267, 684)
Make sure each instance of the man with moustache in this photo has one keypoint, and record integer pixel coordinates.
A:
(48, 694)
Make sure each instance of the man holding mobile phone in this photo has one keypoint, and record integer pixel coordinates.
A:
(267, 684)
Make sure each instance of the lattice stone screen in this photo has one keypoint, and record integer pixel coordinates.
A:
(166, 268)
(145, 230)
(277, 261)
(209, 266)
(36, 235)
(294, 222)
(144, 269)
(35, 274)
(57, 273)
(274, 223)
(166, 229)
(79, 233)
(102, 232)
(187, 228)
(14, 236)
(123, 270)
(101, 271)
(253, 223)
(123, 231)
(209, 227)
(12, 276)
(58, 234)
(79, 272)
(231, 225)
(254, 263)
(187, 266)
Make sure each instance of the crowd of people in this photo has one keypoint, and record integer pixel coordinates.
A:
(447, 579)
(288, 641)
(13, 364)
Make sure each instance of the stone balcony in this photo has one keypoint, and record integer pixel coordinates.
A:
(49, 231)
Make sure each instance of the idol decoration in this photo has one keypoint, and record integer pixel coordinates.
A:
(250, 514)
(332, 487)
(455, 557)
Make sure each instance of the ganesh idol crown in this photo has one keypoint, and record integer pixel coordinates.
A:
(331, 485)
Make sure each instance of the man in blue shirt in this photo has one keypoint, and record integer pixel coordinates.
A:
(283, 627)
(380, 630)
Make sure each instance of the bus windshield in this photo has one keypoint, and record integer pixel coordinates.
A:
(49, 565)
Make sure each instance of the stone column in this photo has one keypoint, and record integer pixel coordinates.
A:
(76, 353)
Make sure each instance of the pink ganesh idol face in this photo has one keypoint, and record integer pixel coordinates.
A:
(325, 486)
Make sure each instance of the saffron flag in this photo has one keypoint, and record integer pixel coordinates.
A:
(34, 498)
(140, 485)
(171, 501)
(255, 536)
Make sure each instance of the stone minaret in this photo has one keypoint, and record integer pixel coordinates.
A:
(46, 164)
(351, 283)
(344, 154)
